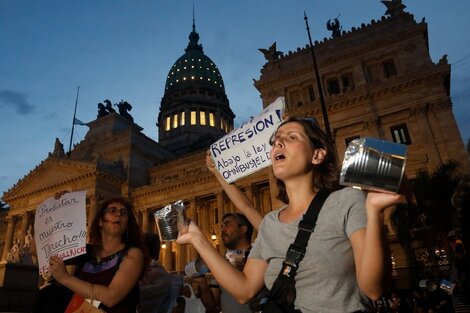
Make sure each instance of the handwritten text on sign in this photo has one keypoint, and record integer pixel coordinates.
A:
(60, 228)
(245, 150)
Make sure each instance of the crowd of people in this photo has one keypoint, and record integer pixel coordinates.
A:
(339, 266)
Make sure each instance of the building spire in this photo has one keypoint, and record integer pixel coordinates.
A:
(193, 44)
(194, 23)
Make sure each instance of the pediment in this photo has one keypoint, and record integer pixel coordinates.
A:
(52, 171)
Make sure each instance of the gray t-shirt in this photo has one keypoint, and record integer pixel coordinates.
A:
(326, 278)
(230, 305)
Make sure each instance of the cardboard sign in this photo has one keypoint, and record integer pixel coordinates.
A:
(245, 150)
(60, 228)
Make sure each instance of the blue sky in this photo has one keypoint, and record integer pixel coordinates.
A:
(123, 50)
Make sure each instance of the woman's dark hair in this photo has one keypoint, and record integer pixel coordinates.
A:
(152, 245)
(132, 237)
(325, 175)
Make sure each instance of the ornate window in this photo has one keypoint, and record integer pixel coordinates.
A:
(311, 93)
(295, 99)
(389, 68)
(400, 134)
(332, 86)
(175, 120)
(182, 119)
(372, 73)
(347, 82)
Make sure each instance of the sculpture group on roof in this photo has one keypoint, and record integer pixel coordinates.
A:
(106, 108)
(271, 54)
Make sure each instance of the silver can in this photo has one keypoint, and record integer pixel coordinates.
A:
(373, 164)
(170, 219)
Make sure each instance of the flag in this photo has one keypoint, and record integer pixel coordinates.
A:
(76, 121)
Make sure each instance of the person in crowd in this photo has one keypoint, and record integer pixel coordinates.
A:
(460, 241)
(236, 233)
(238, 198)
(115, 260)
(187, 302)
(344, 261)
(158, 294)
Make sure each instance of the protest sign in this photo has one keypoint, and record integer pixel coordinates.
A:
(60, 228)
(245, 150)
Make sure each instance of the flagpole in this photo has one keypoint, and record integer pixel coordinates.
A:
(73, 122)
(319, 84)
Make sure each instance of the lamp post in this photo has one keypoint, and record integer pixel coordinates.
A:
(319, 85)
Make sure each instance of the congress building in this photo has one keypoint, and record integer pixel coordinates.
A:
(376, 80)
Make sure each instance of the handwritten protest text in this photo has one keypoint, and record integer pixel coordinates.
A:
(43, 209)
(241, 136)
(63, 244)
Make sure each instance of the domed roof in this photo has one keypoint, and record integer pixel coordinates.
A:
(194, 69)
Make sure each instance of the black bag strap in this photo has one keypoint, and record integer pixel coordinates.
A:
(296, 251)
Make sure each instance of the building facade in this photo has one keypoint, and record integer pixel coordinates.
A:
(378, 80)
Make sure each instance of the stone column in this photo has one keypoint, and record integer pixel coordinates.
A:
(181, 257)
(24, 226)
(221, 212)
(9, 237)
(191, 252)
(145, 220)
(167, 256)
(193, 210)
(92, 209)
(427, 136)
(249, 193)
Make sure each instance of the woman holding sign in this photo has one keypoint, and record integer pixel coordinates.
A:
(114, 260)
(344, 260)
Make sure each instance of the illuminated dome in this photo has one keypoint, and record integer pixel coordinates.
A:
(194, 111)
(194, 69)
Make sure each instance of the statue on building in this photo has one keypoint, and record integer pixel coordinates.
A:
(124, 108)
(334, 26)
(58, 149)
(271, 54)
(15, 253)
(109, 106)
(394, 7)
(28, 238)
(101, 110)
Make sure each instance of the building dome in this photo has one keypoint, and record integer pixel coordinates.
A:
(194, 111)
(194, 69)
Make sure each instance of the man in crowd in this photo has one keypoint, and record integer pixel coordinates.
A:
(236, 232)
